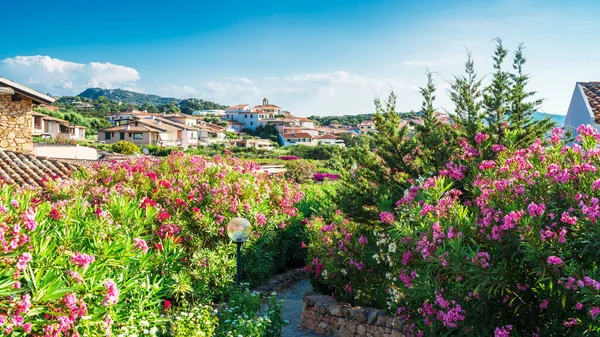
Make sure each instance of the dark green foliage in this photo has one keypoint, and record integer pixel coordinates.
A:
(195, 104)
(125, 147)
(435, 139)
(375, 170)
(266, 132)
(350, 120)
(319, 152)
(74, 118)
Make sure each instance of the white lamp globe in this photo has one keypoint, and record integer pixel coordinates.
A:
(239, 230)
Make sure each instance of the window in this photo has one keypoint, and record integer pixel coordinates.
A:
(251, 123)
(107, 135)
(245, 116)
(138, 136)
(122, 135)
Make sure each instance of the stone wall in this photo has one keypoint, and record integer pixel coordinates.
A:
(325, 316)
(16, 124)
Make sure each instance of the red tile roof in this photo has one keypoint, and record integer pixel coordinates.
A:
(592, 93)
(327, 137)
(297, 135)
(28, 170)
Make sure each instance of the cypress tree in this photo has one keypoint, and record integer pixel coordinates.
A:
(465, 93)
(524, 129)
(495, 97)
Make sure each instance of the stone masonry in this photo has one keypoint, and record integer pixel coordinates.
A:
(16, 123)
(325, 316)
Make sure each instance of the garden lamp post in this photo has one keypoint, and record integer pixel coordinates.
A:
(238, 230)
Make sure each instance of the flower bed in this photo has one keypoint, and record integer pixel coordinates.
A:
(318, 177)
(127, 244)
(512, 252)
(288, 158)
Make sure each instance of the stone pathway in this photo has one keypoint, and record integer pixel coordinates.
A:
(292, 309)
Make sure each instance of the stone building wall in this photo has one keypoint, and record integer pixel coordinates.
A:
(16, 124)
(325, 316)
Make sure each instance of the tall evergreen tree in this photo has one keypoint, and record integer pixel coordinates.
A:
(433, 137)
(495, 97)
(465, 93)
(524, 129)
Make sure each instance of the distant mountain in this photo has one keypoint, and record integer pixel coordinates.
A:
(128, 97)
(558, 119)
(131, 97)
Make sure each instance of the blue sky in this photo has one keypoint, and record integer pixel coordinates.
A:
(323, 57)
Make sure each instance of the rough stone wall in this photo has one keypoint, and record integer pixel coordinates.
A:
(16, 124)
(325, 316)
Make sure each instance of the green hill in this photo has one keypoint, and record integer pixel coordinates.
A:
(128, 97)
(138, 99)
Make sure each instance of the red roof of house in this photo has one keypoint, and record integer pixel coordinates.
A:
(239, 106)
(297, 135)
(592, 94)
(29, 170)
(327, 137)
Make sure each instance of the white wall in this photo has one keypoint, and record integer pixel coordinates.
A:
(579, 111)
(65, 151)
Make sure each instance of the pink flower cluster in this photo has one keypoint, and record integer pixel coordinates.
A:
(112, 293)
(82, 260)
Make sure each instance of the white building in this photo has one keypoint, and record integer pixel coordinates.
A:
(299, 138)
(584, 107)
(330, 140)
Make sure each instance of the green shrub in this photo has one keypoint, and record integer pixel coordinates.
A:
(125, 147)
(300, 171)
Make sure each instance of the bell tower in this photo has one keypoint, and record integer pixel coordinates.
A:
(265, 101)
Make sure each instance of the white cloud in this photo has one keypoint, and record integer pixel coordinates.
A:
(243, 80)
(62, 77)
(419, 63)
(178, 91)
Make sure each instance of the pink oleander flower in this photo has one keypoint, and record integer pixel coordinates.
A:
(140, 244)
(75, 275)
(363, 240)
(554, 260)
(14, 203)
(544, 304)
(503, 331)
(82, 260)
(570, 323)
(578, 306)
(112, 294)
(261, 219)
(481, 137)
(498, 148)
(387, 217)
(29, 216)
(536, 209)
(23, 260)
(594, 312)
(557, 134)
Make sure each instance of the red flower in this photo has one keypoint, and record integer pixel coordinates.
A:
(54, 214)
(158, 246)
(167, 305)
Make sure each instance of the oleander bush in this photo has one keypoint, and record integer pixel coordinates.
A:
(122, 246)
(502, 246)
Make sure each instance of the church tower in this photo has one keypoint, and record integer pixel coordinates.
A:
(265, 101)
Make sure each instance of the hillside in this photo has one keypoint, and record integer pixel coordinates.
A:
(128, 97)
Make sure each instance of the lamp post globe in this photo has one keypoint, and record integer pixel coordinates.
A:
(239, 231)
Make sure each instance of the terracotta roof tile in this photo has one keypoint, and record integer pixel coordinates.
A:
(592, 93)
(27, 170)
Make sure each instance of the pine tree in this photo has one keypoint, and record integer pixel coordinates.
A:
(495, 97)
(433, 137)
(465, 93)
(524, 129)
